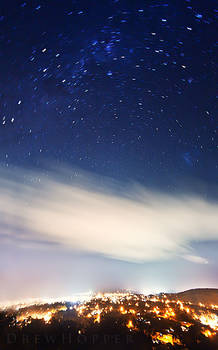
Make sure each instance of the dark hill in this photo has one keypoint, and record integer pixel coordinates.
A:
(206, 296)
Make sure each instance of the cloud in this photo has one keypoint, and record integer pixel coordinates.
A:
(134, 224)
(196, 259)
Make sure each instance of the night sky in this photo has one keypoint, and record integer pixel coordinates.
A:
(119, 89)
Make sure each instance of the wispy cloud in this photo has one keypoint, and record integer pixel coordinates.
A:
(196, 259)
(137, 225)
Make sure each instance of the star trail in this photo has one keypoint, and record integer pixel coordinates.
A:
(121, 88)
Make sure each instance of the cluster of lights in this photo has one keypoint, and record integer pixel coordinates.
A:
(165, 339)
(136, 308)
(47, 315)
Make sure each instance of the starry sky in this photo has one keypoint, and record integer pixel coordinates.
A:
(120, 89)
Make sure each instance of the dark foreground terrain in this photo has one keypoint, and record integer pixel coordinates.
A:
(115, 321)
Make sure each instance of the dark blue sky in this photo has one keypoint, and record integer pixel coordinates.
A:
(122, 88)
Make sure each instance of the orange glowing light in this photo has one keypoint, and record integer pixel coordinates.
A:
(208, 333)
(166, 339)
(208, 319)
(169, 313)
(180, 305)
(98, 318)
(130, 324)
(156, 310)
(186, 324)
(122, 310)
(46, 316)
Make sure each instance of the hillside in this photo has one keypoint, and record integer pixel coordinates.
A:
(206, 296)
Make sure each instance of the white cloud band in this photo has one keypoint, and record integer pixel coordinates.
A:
(140, 226)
